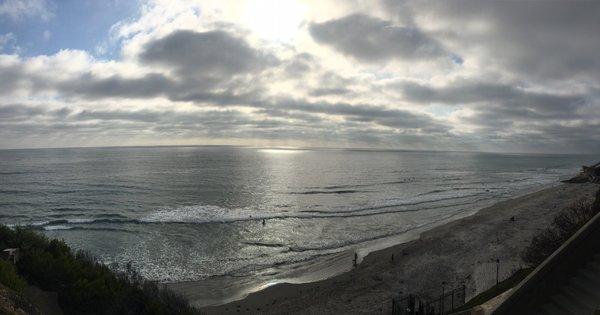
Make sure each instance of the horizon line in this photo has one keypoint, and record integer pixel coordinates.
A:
(307, 148)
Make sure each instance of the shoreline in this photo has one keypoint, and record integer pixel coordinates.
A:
(462, 250)
(210, 292)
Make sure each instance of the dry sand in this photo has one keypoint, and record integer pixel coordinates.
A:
(464, 250)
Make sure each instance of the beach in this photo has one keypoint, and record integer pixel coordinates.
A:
(461, 251)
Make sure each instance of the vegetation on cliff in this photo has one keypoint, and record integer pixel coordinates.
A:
(564, 225)
(84, 285)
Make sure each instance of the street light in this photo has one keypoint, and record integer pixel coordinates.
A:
(497, 269)
(442, 299)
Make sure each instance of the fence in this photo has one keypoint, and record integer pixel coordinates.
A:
(444, 304)
(488, 273)
(485, 276)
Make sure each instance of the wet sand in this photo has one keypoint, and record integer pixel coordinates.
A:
(462, 251)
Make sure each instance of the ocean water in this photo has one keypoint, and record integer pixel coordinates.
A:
(193, 213)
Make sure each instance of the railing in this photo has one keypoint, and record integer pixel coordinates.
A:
(447, 302)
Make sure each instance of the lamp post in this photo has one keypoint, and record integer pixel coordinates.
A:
(442, 299)
(497, 269)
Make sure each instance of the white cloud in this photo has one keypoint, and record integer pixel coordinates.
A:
(19, 9)
(46, 35)
(6, 40)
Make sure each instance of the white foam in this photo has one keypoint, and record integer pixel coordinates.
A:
(206, 214)
(200, 214)
(56, 227)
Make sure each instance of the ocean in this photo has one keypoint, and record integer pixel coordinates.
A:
(215, 212)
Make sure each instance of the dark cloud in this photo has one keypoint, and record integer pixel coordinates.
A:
(541, 39)
(372, 40)
(20, 112)
(300, 64)
(214, 54)
(11, 77)
(153, 85)
(507, 100)
(148, 86)
(394, 118)
(277, 119)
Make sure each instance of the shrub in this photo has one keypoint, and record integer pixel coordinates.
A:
(564, 225)
(84, 285)
(10, 278)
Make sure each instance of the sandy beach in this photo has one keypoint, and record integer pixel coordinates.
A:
(464, 250)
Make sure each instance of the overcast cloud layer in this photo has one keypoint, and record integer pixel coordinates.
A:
(461, 75)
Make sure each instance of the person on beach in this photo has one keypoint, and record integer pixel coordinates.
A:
(355, 261)
(264, 222)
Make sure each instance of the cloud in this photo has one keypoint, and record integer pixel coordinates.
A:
(11, 75)
(300, 64)
(508, 97)
(147, 86)
(7, 40)
(365, 113)
(15, 112)
(460, 75)
(329, 91)
(19, 9)
(213, 54)
(63, 124)
(371, 39)
(533, 39)
(46, 35)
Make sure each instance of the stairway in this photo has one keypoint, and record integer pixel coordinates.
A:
(580, 296)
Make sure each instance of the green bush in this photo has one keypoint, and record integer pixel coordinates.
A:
(10, 278)
(85, 286)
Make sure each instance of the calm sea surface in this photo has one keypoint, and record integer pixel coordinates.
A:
(188, 213)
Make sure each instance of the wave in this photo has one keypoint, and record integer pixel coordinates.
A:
(206, 214)
(317, 192)
(451, 181)
(32, 172)
(66, 209)
(12, 216)
(348, 243)
(15, 192)
(56, 227)
(213, 214)
(81, 228)
(82, 222)
(437, 191)
(402, 181)
(13, 173)
(261, 244)
(69, 215)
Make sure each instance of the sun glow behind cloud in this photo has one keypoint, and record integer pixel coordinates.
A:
(278, 20)
(339, 73)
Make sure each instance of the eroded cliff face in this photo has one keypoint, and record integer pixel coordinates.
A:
(588, 174)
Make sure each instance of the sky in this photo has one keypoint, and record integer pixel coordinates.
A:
(499, 76)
